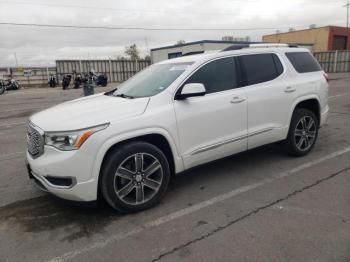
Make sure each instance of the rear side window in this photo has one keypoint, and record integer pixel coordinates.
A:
(261, 68)
(303, 62)
(216, 76)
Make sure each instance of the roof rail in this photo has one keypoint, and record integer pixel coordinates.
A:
(235, 47)
(193, 53)
(262, 45)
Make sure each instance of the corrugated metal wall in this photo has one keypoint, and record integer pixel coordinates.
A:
(334, 61)
(39, 75)
(115, 70)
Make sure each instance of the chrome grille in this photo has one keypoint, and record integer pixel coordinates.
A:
(35, 141)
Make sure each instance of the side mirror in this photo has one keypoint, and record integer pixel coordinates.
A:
(191, 90)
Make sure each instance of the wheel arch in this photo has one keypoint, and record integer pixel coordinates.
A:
(311, 103)
(158, 137)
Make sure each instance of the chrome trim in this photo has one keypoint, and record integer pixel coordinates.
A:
(43, 180)
(210, 147)
(41, 141)
(207, 148)
(261, 131)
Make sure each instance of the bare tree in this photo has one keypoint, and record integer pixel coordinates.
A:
(180, 42)
(132, 51)
(148, 57)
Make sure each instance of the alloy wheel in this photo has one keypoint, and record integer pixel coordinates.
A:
(138, 178)
(305, 133)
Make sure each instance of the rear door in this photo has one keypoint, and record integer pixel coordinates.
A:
(270, 97)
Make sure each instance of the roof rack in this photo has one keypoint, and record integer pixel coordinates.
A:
(193, 53)
(263, 45)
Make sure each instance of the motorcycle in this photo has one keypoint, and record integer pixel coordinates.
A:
(52, 81)
(12, 84)
(2, 87)
(99, 80)
(66, 81)
(78, 80)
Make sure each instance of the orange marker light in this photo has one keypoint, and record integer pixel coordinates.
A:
(83, 138)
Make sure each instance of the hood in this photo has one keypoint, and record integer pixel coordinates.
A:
(88, 111)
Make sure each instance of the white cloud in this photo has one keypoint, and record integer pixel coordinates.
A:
(43, 45)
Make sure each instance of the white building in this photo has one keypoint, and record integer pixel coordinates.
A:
(168, 52)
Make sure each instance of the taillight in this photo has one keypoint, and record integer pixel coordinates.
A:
(326, 76)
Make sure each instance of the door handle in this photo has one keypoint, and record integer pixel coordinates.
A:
(237, 100)
(289, 89)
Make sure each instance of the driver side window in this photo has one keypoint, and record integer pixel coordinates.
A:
(216, 76)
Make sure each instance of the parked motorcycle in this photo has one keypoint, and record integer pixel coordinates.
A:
(78, 80)
(53, 81)
(2, 87)
(66, 81)
(99, 80)
(12, 84)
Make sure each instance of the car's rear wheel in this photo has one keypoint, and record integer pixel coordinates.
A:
(135, 177)
(303, 132)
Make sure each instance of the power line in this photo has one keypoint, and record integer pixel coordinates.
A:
(139, 28)
(125, 9)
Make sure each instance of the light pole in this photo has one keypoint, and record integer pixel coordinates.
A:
(347, 13)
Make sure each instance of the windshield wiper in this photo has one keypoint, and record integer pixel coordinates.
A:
(109, 93)
(124, 96)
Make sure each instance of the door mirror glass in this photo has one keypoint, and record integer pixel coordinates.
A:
(190, 90)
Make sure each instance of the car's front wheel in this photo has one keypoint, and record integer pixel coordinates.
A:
(134, 177)
(303, 132)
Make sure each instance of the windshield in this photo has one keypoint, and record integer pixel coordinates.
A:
(151, 81)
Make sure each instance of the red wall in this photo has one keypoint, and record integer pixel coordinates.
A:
(341, 31)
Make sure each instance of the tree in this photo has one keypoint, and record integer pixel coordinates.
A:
(148, 57)
(119, 57)
(132, 51)
(180, 42)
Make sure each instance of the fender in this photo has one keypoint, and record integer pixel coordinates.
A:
(301, 99)
(179, 165)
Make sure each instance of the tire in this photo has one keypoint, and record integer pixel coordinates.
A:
(134, 177)
(302, 134)
(2, 89)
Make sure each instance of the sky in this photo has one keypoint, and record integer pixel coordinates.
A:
(41, 46)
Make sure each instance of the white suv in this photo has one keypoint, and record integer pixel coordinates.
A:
(124, 145)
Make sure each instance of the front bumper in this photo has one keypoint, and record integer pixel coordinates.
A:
(324, 115)
(74, 165)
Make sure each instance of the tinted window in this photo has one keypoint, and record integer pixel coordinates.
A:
(216, 76)
(303, 62)
(261, 67)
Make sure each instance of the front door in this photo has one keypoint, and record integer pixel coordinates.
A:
(215, 125)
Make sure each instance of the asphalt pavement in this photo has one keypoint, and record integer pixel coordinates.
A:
(261, 205)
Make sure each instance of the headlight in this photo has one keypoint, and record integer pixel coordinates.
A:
(71, 140)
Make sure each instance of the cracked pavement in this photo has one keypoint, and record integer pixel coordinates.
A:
(260, 205)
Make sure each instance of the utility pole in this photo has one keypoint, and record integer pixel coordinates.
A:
(347, 13)
(16, 59)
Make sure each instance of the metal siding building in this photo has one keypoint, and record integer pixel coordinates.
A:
(168, 52)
